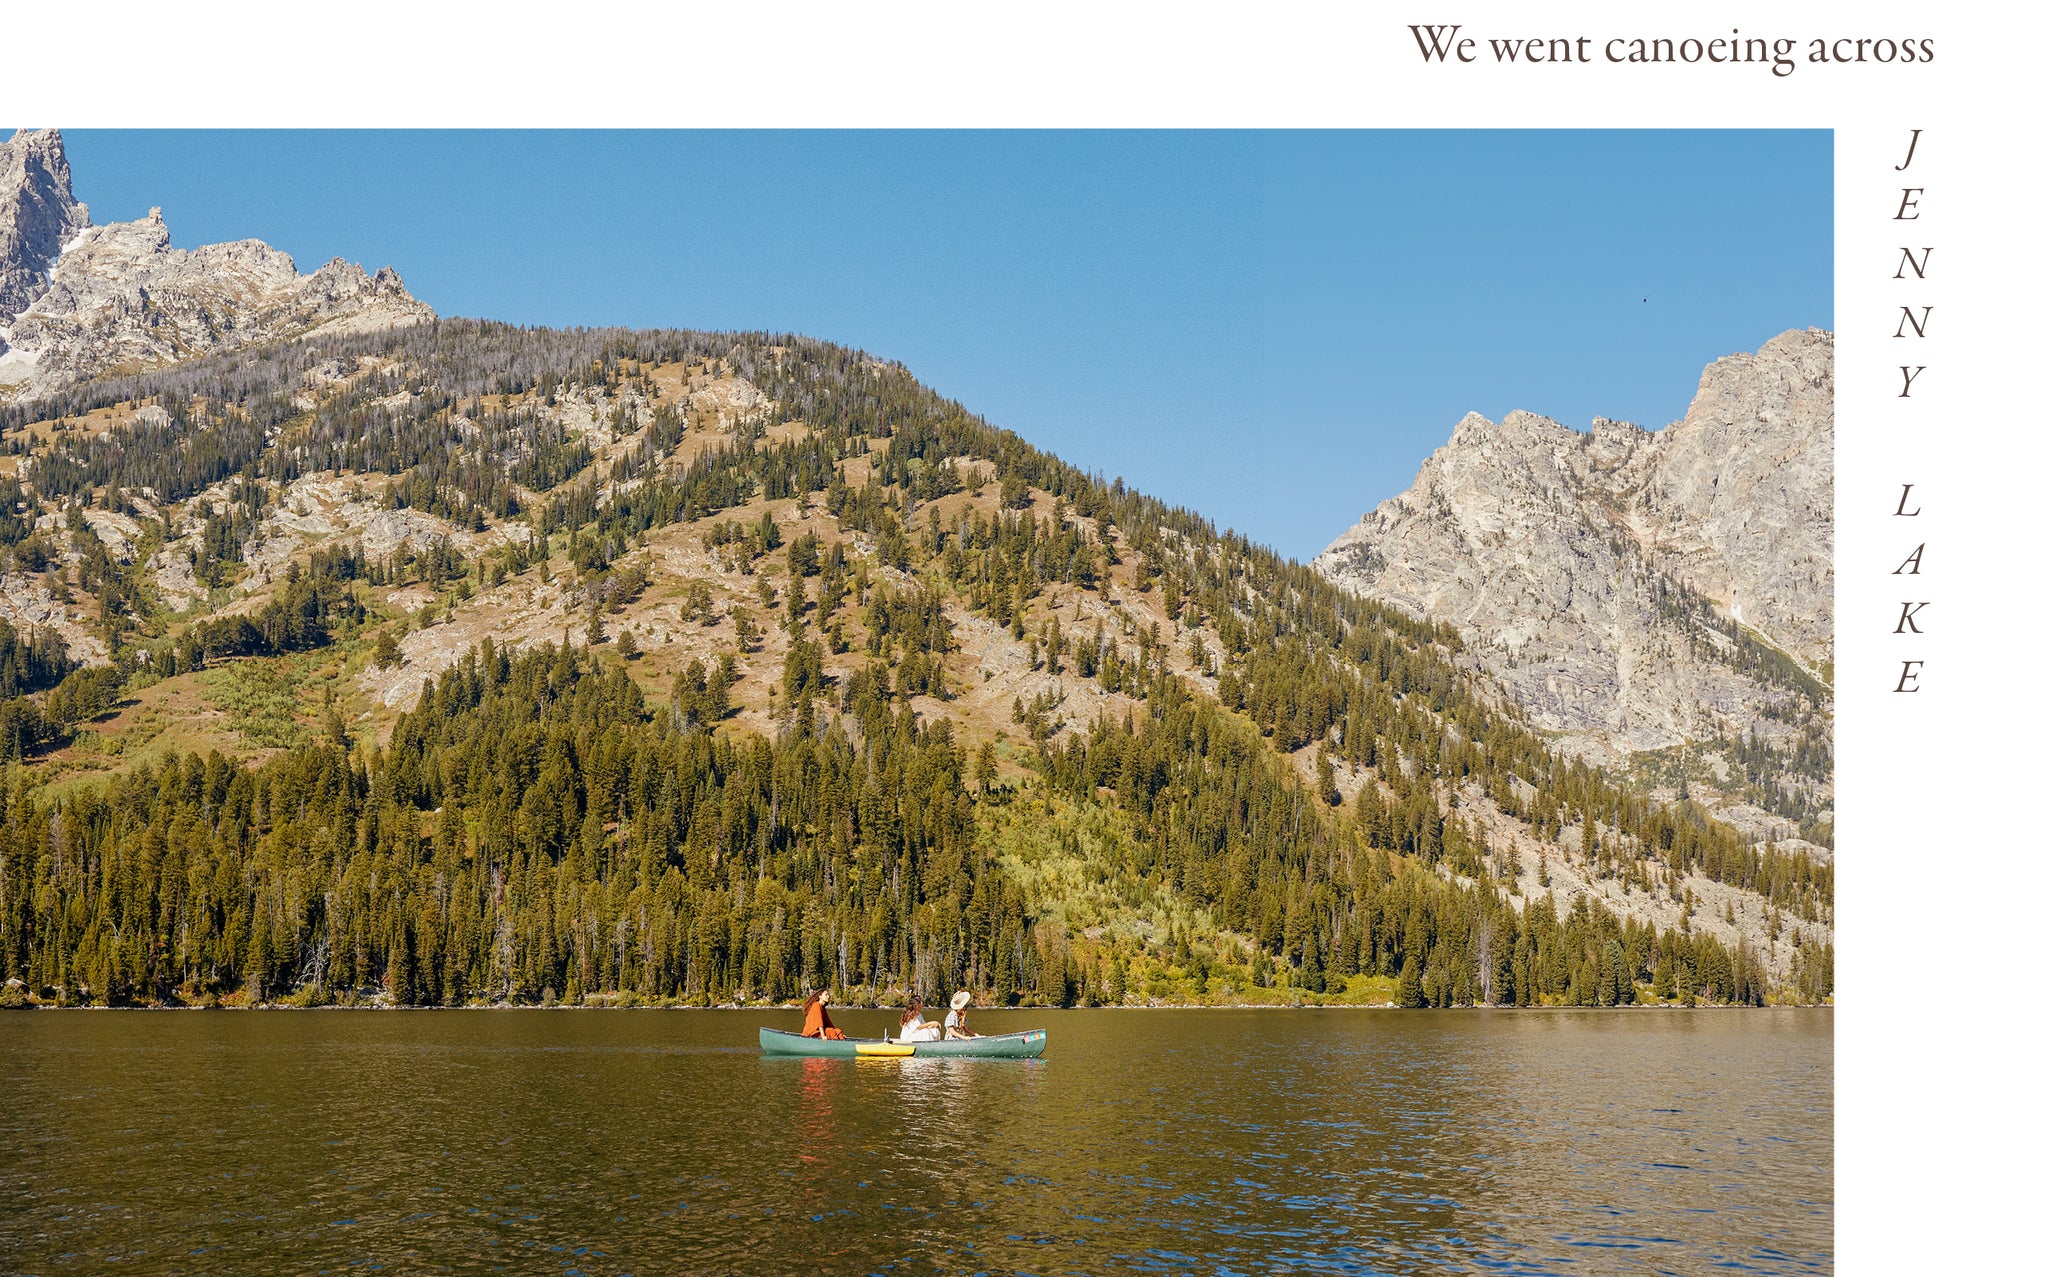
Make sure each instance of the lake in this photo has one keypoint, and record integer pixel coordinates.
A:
(649, 1142)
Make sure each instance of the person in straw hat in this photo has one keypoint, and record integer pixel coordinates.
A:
(956, 1019)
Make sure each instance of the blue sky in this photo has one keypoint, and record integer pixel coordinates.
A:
(1272, 328)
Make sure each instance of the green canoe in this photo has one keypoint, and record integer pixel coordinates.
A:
(1002, 1046)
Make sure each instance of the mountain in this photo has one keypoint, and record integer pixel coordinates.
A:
(77, 300)
(450, 662)
(1654, 598)
(37, 216)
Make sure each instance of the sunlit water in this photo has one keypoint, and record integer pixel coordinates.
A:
(1164, 1141)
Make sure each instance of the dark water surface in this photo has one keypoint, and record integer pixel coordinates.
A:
(1165, 1141)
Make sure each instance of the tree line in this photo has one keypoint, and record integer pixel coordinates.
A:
(535, 830)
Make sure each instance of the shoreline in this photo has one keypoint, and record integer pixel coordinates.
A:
(795, 1007)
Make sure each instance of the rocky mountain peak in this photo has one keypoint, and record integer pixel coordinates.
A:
(88, 298)
(1635, 590)
(1610, 443)
(1470, 430)
(37, 215)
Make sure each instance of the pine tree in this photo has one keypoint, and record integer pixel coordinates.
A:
(1408, 990)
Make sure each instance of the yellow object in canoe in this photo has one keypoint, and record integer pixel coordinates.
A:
(884, 1048)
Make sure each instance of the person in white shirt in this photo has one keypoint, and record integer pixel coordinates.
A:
(956, 1019)
(914, 1027)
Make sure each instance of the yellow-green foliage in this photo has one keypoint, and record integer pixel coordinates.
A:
(260, 699)
(1131, 938)
(1072, 864)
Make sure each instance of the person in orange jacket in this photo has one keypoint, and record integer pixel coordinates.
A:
(817, 1023)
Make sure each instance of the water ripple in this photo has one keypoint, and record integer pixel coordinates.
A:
(1375, 1143)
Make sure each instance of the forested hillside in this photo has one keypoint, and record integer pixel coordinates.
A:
(464, 662)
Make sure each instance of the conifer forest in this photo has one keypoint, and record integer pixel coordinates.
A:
(462, 664)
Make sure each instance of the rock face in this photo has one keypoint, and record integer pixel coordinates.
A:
(1634, 590)
(37, 216)
(87, 299)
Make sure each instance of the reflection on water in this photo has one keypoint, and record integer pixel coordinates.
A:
(654, 1142)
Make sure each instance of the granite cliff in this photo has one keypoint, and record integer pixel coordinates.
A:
(37, 215)
(1643, 592)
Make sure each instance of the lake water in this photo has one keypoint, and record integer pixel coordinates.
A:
(657, 1142)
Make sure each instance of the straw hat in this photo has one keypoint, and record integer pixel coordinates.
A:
(961, 999)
